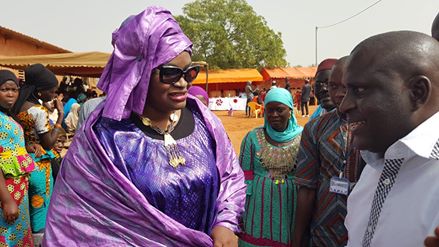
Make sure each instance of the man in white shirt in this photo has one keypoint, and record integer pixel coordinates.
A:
(433, 241)
(392, 105)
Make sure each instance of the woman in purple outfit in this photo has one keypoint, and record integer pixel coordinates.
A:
(150, 166)
(200, 94)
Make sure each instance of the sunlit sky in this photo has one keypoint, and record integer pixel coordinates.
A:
(86, 25)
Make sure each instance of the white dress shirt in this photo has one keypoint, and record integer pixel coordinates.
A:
(410, 211)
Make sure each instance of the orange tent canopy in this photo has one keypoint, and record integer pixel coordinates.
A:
(309, 72)
(290, 72)
(228, 76)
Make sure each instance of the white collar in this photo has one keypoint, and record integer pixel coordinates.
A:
(424, 137)
(420, 141)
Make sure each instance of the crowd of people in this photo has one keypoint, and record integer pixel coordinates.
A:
(32, 119)
(151, 165)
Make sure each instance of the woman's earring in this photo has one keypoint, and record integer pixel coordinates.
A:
(39, 94)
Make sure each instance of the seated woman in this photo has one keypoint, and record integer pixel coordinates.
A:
(15, 167)
(149, 167)
(268, 156)
(71, 120)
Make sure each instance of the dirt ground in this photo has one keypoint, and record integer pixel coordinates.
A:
(238, 125)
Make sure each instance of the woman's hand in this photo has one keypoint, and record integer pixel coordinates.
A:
(37, 149)
(224, 237)
(433, 241)
(59, 106)
(10, 211)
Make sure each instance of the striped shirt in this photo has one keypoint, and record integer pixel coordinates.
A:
(323, 154)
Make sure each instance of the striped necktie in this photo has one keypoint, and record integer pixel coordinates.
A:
(385, 184)
(435, 151)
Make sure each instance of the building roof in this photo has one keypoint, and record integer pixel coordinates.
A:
(89, 64)
(13, 34)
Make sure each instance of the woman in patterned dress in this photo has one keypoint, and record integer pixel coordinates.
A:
(40, 86)
(268, 157)
(15, 166)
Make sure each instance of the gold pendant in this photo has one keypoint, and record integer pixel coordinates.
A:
(181, 160)
(174, 155)
(174, 162)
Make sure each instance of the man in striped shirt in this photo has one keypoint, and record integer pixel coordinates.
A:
(325, 158)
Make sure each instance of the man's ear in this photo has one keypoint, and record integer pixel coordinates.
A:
(420, 90)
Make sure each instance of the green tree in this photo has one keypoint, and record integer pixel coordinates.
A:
(229, 34)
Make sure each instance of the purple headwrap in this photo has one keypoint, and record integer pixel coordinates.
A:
(141, 44)
(196, 90)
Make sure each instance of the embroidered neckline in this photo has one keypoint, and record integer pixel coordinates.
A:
(278, 160)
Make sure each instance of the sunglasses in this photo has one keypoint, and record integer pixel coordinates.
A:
(170, 74)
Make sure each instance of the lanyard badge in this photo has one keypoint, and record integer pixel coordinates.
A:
(339, 185)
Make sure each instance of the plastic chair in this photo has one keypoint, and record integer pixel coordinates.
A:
(255, 108)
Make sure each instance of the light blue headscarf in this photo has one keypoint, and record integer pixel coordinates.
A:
(281, 95)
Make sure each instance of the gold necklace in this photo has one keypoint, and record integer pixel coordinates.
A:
(174, 155)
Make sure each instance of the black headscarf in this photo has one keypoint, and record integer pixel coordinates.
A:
(37, 78)
(6, 75)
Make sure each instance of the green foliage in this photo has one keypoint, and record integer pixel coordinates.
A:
(229, 34)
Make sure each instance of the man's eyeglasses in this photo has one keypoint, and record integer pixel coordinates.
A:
(170, 74)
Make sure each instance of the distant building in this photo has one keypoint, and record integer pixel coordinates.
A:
(13, 43)
(17, 44)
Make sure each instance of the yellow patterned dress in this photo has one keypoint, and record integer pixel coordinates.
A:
(16, 164)
(35, 121)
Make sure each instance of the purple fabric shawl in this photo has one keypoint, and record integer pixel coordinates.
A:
(94, 204)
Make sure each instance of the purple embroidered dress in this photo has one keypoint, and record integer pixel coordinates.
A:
(187, 193)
